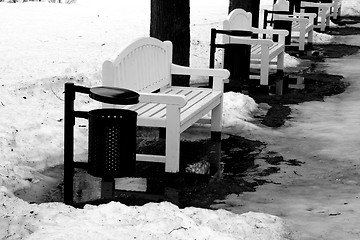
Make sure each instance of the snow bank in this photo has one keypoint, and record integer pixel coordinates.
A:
(21, 220)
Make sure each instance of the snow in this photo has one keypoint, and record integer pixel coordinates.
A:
(45, 45)
(114, 220)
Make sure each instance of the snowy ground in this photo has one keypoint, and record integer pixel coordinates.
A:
(44, 46)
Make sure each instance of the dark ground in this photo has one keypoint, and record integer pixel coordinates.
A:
(237, 153)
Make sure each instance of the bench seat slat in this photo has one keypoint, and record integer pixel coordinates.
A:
(274, 50)
(150, 114)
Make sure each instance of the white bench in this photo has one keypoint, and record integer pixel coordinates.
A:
(336, 8)
(302, 23)
(145, 66)
(324, 13)
(263, 51)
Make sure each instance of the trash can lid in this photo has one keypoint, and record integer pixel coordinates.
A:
(113, 95)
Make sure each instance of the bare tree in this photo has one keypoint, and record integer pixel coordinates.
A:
(170, 20)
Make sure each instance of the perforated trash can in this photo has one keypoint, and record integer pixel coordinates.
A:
(237, 61)
(112, 143)
(112, 134)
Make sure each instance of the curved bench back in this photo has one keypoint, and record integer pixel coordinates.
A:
(144, 66)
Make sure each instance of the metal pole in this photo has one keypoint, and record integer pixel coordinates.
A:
(212, 53)
(69, 122)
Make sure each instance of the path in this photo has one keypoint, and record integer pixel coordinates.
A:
(320, 198)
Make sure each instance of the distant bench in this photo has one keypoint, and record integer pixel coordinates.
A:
(264, 50)
(145, 66)
(302, 23)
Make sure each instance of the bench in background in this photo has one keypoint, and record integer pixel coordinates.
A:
(264, 51)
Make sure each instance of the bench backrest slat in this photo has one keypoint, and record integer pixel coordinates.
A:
(142, 66)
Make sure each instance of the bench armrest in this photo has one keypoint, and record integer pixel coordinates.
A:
(293, 18)
(280, 32)
(249, 41)
(220, 75)
(182, 70)
(170, 99)
(310, 16)
(316, 4)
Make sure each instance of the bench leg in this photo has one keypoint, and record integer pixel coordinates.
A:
(302, 38)
(327, 24)
(280, 73)
(216, 122)
(310, 37)
(216, 115)
(215, 150)
(280, 62)
(337, 9)
(216, 118)
(264, 66)
(324, 20)
(172, 141)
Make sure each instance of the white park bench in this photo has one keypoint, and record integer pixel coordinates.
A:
(145, 66)
(302, 24)
(264, 51)
(336, 8)
(323, 13)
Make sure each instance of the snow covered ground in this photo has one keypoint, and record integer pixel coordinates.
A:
(45, 45)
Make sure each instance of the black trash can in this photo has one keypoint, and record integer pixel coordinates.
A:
(285, 25)
(112, 134)
(112, 143)
(237, 61)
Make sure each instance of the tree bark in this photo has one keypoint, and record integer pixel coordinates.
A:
(252, 6)
(170, 20)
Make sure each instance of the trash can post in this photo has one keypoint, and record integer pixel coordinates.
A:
(69, 121)
(212, 53)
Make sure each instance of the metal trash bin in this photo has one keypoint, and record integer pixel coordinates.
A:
(112, 143)
(237, 61)
(112, 134)
(285, 25)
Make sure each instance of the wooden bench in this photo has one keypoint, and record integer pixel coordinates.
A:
(264, 51)
(301, 23)
(145, 66)
(323, 11)
(336, 9)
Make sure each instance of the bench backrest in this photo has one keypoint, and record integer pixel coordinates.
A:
(238, 19)
(143, 66)
(280, 5)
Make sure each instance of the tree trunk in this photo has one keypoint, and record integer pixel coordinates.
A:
(170, 20)
(252, 6)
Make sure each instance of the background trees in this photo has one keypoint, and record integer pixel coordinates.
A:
(252, 6)
(170, 20)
